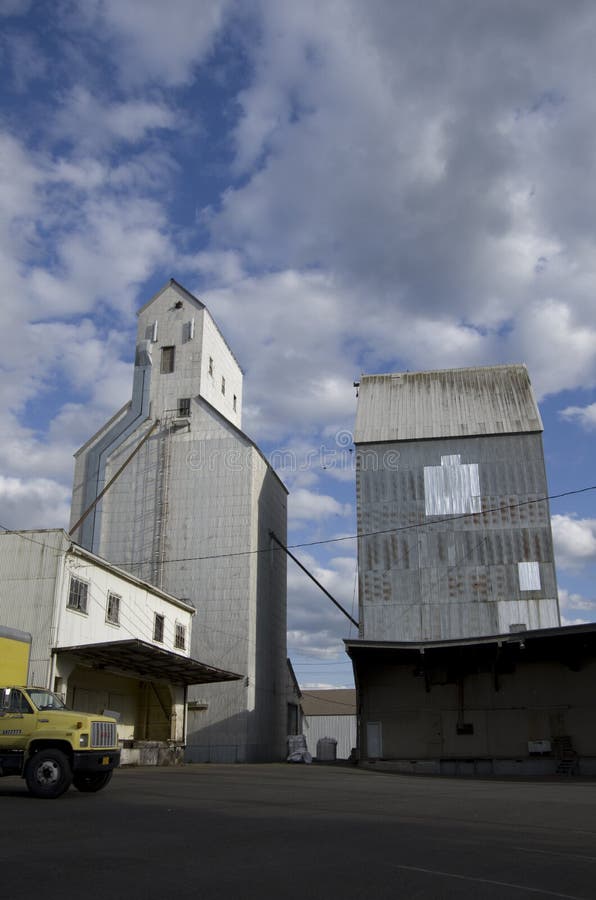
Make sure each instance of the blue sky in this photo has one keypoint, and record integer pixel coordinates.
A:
(349, 187)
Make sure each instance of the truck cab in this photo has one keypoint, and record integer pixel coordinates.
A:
(52, 746)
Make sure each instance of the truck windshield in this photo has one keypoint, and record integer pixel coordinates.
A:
(46, 699)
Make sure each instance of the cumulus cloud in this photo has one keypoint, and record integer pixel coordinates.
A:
(582, 415)
(152, 41)
(305, 505)
(93, 124)
(35, 503)
(574, 541)
(316, 628)
(570, 602)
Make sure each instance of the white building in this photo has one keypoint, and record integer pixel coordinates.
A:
(101, 637)
(189, 506)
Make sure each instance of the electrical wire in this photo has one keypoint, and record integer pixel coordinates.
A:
(352, 537)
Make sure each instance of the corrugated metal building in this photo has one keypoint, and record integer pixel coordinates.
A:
(102, 638)
(451, 486)
(191, 512)
(330, 713)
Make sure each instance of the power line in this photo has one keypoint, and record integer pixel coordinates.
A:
(364, 534)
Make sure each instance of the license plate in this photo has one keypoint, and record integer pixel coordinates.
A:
(105, 760)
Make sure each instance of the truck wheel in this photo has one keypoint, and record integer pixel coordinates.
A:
(90, 784)
(48, 774)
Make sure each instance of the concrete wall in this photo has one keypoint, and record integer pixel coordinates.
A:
(429, 579)
(536, 701)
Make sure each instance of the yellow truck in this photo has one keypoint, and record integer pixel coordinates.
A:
(43, 741)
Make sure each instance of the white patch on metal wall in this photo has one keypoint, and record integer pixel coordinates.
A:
(452, 488)
(529, 576)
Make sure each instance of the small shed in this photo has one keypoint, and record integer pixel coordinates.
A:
(330, 713)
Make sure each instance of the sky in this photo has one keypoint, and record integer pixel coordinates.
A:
(349, 187)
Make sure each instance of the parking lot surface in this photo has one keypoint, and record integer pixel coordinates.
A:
(293, 831)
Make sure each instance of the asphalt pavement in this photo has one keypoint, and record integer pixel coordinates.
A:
(294, 832)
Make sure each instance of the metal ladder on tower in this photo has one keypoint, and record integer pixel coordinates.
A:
(161, 505)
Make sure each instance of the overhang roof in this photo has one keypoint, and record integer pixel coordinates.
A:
(447, 403)
(147, 661)
(570, 644)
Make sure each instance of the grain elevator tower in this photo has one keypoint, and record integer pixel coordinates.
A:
(190, 510)
(451, 485)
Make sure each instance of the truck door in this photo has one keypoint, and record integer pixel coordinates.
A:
(17, 719)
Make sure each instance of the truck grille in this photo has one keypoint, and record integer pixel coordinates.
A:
(103, 734)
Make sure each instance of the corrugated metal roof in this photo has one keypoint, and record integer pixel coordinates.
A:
(409, 406)
(329, 702)
(143, 660)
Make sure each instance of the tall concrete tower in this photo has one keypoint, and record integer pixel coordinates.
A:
(189, 509)
(456, 536)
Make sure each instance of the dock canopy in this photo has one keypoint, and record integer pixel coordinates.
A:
(144, 660)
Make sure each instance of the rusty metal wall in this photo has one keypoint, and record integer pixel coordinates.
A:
(425, 577)
(448, 402)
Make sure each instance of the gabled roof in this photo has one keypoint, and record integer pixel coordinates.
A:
(408, 406)
(184, 295)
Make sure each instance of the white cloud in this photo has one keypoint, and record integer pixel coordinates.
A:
(569, 602)
(35, 503)
(305, 505)
(154, 41)
(574, 541)
(94, 125)
(567, 622)
(582, 415)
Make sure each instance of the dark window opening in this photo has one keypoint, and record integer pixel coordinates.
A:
(113, 609)
(158, 628)
(184, 406)
(180, 636)
(77, 595)
(167, 360)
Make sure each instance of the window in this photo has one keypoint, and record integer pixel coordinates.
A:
(234, 402)
(211, 365)
(184, 406)
(180, 636)
(77, 595)
(15, 703)
(113, 609)
(167, 360)
(158, 628)
(223, 385)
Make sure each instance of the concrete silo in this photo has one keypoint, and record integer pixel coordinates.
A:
(189, 507)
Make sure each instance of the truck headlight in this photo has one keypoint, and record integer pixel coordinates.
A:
(83, 740)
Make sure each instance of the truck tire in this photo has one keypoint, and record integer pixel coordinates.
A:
(48, 774)
(90, 784)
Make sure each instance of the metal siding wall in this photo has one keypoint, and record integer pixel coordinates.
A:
(214, 497)
(342, 728)
(29, 566)
(455, 578)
